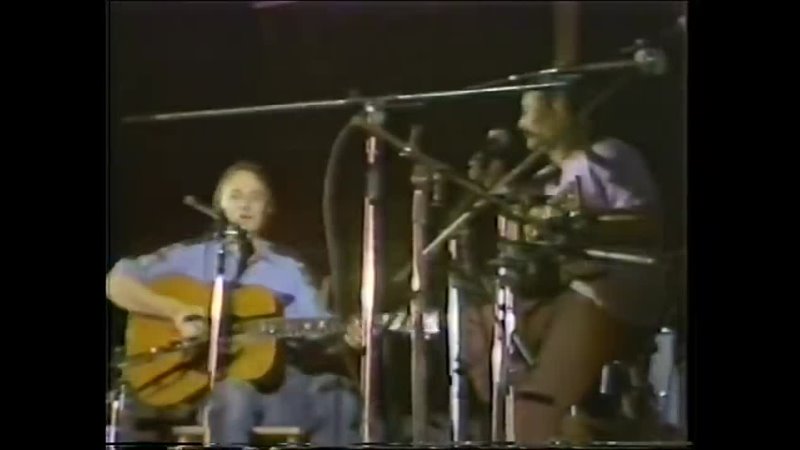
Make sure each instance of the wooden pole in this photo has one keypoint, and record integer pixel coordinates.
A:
(566, 23)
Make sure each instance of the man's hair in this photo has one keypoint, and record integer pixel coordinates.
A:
(578, 95)
(579, 98)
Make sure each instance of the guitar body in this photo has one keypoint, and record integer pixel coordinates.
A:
(175, 378)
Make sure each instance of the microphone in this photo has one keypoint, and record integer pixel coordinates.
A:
(228, 229)
(651, 61)
(545, 173)
(498, 138)
(647, 60)
(192, 202)
(487, 165)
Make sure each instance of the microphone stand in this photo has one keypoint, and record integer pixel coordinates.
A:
(226, 233)
(387, 101)
(215, 314)
(648, 60)
(410, 151)
(421, 180)
(371, 273)
(420, 286)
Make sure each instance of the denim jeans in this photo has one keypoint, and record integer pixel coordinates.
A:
(321, 405)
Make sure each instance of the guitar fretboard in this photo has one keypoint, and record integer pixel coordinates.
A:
(396, 322)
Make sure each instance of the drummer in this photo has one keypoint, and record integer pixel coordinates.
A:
(607, 306)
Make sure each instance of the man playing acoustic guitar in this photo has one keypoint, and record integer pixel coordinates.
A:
(318, 404)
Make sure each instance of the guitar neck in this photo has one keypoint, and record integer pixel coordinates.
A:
(297, 328)
(287, 328)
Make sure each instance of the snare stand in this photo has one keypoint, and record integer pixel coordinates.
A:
(502, 425)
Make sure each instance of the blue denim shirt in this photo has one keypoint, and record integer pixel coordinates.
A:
(282, 275)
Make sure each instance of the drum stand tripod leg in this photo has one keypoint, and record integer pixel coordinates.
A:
(502, 426)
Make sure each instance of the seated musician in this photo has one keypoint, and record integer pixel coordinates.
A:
(320, 406)
(605, 306)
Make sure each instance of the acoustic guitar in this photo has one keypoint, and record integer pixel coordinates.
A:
(164, 371)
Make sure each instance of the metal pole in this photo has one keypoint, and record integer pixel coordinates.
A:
(371, 285)
(421, 179)
(458, 383)
(502, 426)
(215, 317)
(388, 101)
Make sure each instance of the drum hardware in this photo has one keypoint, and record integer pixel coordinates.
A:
(505, 317)
(469, 209)
(445, 172)
(459, 390)
(504, 347)
(475, 208)
(411, 151)
(666, 377)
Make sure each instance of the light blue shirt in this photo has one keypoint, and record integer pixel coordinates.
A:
(614, 176)
(283, 276)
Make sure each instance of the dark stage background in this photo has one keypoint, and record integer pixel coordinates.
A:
(193, 55)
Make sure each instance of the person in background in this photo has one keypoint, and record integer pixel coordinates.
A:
(604, 308)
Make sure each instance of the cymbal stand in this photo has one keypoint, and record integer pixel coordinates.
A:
(502, 421)
(371, 282)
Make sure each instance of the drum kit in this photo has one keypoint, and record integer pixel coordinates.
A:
(522, 255)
